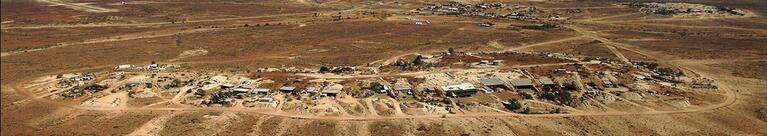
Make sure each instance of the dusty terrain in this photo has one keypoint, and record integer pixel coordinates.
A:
(50, 37)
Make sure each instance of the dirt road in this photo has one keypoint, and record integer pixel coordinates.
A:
(609, 44)
(79, 6)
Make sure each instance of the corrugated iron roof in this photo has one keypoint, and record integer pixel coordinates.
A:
(522, 82)
(491, 81)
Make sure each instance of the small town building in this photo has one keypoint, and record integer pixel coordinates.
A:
(260, 91)
(484, 62)
(241, 90)
(311, 90)
(492, 83)
(459, 90)
(497, 62)
(265, 100)
(227, 86)
(124, 66)
(287, 89)
(522, 83)
(133, 82)
(546, 82)
(331, 90)
(403, 86)
(422, 22)
(148, 83)
(607, 83)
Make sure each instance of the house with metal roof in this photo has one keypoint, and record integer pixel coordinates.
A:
(241, 90)
(522, 83)
(287, 89)
(311, 90)
(545, 81)
(331, 90)
(260, 91)
(460, 90)
(492, 83)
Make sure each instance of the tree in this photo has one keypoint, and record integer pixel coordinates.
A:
(178, 40)
(324, 69)
(513, 104)
(557, 110)
(375, 86)
(419, 60)
(525, 95)
(526, 110)
(565, 97)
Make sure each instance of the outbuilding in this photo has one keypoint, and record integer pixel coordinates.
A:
(287, 89)
(227, 86)
(311, 90)
(260, 91)
(240, 90)
(331, 90)
(547, 82)
(459, 90)
(148, 83)
(522, 83)
(492, 83)
(133, 82)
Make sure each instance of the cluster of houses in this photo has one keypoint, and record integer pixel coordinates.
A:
(483, 10)
(493, 84)
(150, 67)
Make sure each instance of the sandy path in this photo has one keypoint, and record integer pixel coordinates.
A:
(546, 43)
(609, 44)
(371, 109)
(154, 126)
(79, 6)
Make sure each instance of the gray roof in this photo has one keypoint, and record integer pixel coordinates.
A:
(546, 81)
(522, 82)
(491, 81)
(241, 90)
(311, 89)
(400, 88)
(287, 88)
(458, 87)
(331, 90)
(261, 90)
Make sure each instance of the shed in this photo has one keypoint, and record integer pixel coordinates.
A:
(403, 88)
(484, 62)
(460, 90)
(148, 83)
(492, 82)
(260, 91)
(241, 90)
(133, 82)
(227, 86)
(331, 90)
(265, 100)
(497, 62)
(607, 83)
(545, 81)
(311, 90)
(522, 83)
(124, 66)
(287, 89)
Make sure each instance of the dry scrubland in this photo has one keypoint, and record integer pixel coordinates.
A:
(239, 36)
